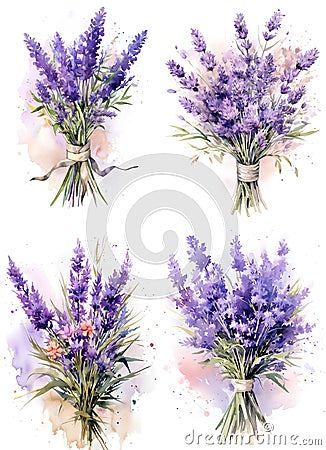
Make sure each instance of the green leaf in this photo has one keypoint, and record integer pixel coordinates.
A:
(38, 108)
(56, 126)
(287, 160)
(295, 288)
(186, 330)
(35, 97)
(63, 185)
(51, 385)
(276, 378)
(183, 130)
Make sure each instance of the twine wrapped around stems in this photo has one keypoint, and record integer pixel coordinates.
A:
(78, 153)
(79, 177)
(248, 173)
(242, 385)
(243, 413)
(248, 193)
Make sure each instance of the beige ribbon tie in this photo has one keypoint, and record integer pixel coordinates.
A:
(242, 385)
(81, 154)
(77, 153)
(248, 173)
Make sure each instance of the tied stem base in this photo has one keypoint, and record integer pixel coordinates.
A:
(243, 415)
(248, 195)
(91, 429)
(79, 179)
(78, 182)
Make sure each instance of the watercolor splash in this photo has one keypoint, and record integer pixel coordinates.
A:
(208, 382)
(46, 149)
(119, 419)
(20, 348)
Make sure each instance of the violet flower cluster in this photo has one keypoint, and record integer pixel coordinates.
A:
(85, 344)
(78, 89)
(94, 309)
(245, 102)
(257, 309)
(247, 322)
(82, 78)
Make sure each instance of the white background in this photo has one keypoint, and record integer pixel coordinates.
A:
(40, 239)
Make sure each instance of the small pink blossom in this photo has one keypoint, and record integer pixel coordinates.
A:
(54, 350)
(67, 331)
(87, 328)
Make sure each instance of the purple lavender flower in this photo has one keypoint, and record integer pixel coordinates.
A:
(273, 24)
(43, 92)
(228, 111)
(62, 113)
(117, 78)
(240, 27)
(238, 262)
(261, 140)
(67, 74)
(75, 93)
(91, 353)
(243, 95)
(175, 273)
(258, 310)
(42, 61)
(208, 60)
(79, 283)
(296, 95)
(190, 82)
(128, 57)
(134, 49)
(112, 297)
(283, 249)
(288, 76)
(85, 52)
(175, 69)
(100, 115)
(306, 60)
(190, 106)
(33, 304)
(198, 41)
(251, 121)
(249, 327)
(118, 280)
(275, 21)
(96, 295)
(196, 253)
(89, 339)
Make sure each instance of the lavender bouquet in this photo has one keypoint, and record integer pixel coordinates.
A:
(247, 322)
(245, 105)
(83, 347)
(78, 88)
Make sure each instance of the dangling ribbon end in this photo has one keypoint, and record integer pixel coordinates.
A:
(38, 179)
(104, 172)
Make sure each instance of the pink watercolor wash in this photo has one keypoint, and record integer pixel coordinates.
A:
(209, 383)
(46, 149)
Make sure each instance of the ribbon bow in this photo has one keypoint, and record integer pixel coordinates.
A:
(81, 154)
